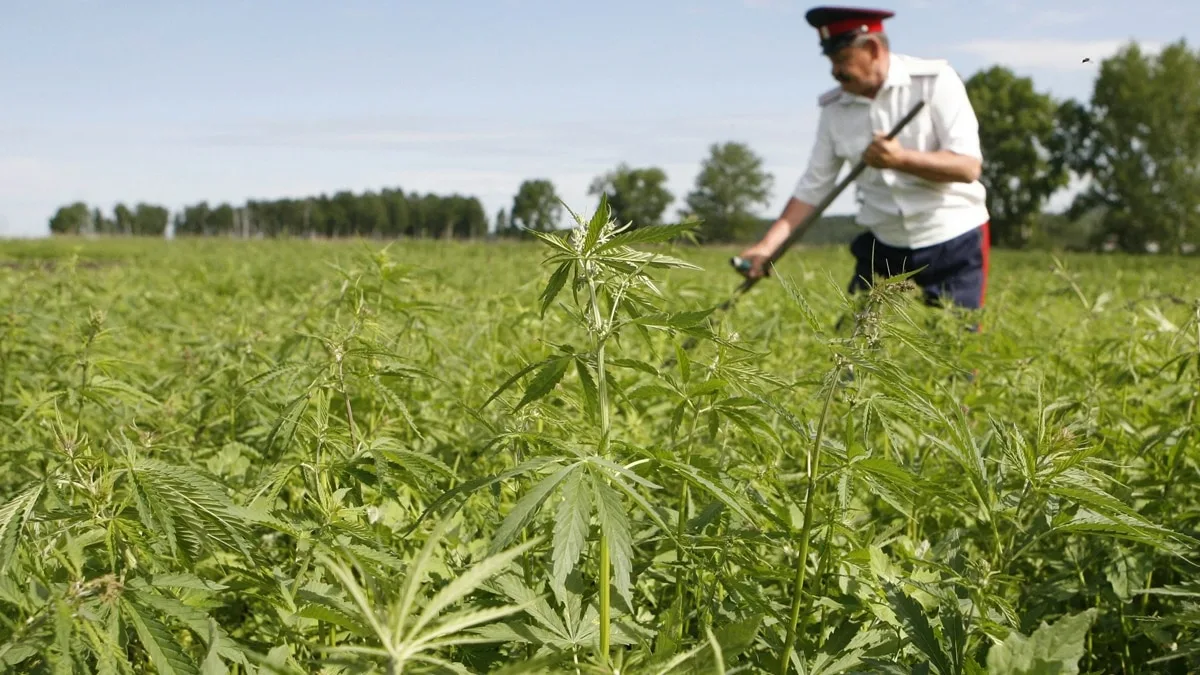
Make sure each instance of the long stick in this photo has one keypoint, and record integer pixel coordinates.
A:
(816, 213)
(794, 236)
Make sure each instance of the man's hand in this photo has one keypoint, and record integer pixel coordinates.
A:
(939, 166)
(885, 154)
(757, 256)
(795, 213)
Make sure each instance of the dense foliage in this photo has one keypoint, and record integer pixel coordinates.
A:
(331, 457)
(388, 213)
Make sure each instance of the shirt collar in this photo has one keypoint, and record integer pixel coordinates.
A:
(898, 76)
(898, 73)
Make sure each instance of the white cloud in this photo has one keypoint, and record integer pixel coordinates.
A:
(1048, 54)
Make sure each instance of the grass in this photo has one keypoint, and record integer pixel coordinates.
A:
(344, 457)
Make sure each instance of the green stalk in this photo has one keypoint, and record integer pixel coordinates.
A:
(681, 527)
(605, 599)
(814, 457)
(602, 395)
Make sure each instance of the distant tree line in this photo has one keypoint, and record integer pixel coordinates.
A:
(388, 213)
(1135, 144)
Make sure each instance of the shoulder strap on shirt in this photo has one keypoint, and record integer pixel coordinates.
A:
(830, 96)
(918, 67)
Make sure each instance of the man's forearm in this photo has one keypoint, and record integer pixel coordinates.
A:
(788, 223)
(940, 166)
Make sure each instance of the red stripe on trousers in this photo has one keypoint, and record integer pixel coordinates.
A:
(985, 246)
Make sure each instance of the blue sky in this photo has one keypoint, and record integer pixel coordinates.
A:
(176, 102)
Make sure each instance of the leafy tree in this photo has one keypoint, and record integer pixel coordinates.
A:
(71, 219)
(194, 220)
(386, 213)
(1139, 143)
(102, 224)
(473, 221)
(399, 224)
(536, 206)
(371, 215)
(342, 214)
(639, 196)
(1024, 162)
(124, 220)
(501, 222)
(730, 184)
(220, 222)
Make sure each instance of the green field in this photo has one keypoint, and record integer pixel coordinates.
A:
(294, 456)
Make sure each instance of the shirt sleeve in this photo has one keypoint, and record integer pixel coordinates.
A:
(954, 119)
(823, 166)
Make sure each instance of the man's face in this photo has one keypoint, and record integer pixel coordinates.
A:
(857, 68)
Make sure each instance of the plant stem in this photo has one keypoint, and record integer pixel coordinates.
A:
(681, 528)
(605, 600)
(598, 335)
(814, 456)
(346, 396)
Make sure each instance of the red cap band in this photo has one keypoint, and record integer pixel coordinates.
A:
(849, 25)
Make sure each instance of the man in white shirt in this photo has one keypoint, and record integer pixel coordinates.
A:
(920, 197)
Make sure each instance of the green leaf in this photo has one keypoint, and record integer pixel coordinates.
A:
(652, 234)
(316, 601)
(591, 394)
(614, 523)
(570, 529)
(212, 664)
(595, 226)
(195, 506)
(633, 364)
(161, 646)
(1052, 650)
(116, 388)
(916, 624)
(527, 507)
(691, 473)
(557, 281)
(471, 486)
(461, 586)
(13, 516)
(545, 380)
(194, 618)
(512, 380)
(284, 429)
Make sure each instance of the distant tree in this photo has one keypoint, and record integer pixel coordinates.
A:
(371, 215)
(124, 220)
(101, 224)
(220, 221)
(384, 214)
(730, 184)
(194, 220)
(399, 224)
(150, 220)
(1024, 162)
(1139, 142)
(432, 216)
(536, 206)
(71, 219)
(501, 225)
(474, 222)
(639, 195)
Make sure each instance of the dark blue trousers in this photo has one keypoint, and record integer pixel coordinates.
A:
(955, 270)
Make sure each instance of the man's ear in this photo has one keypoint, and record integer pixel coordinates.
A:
(875, 47)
